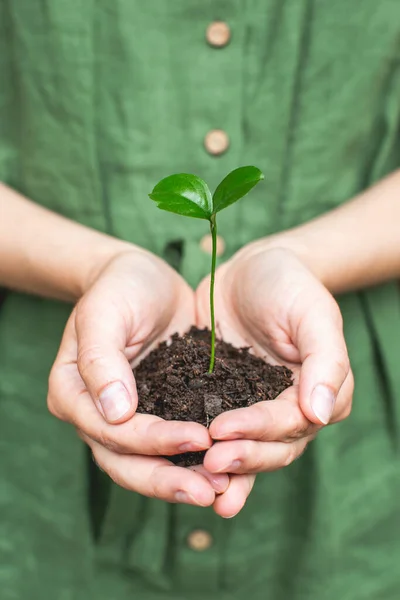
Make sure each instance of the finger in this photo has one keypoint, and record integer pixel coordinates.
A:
(273, 420)
(154, 477)
(344, 400)
(248, 456)
(323, 354)
(219, 482)
(142, 434)
(150, 435)
(102, 336)
(230, 503)
(69, 401)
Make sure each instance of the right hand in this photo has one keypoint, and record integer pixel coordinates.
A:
(269, 300)
(135, 301)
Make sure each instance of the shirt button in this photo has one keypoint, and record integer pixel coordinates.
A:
(199, 540)
(218, 34)
(206, 244)
(216, 142)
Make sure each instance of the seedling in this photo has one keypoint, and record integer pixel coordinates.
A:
(190, 196)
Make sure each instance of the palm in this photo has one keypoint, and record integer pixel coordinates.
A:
(135, 302)
(271, 302)
(261, 308)
(151, 302)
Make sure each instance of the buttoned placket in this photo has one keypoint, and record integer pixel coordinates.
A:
(200, 534)
(218, 127)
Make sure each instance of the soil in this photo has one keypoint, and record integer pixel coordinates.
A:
(173, 382)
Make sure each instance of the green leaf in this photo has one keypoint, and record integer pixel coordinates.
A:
(235, 185)
(183, 194)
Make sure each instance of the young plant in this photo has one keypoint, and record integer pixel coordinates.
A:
(190, 196)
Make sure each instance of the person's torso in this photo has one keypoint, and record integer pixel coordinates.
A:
(98, 101)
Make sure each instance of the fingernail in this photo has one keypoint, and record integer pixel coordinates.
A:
(230, 435)
(185, 498)
(231, 517)
(235, 464)
(219, 482)
(115, 401)
(191, 447)
(322, 403)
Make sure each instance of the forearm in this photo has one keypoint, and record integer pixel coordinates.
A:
(46, 254)
(355, 245)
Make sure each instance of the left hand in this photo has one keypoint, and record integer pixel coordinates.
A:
(118, 319)
(269, 300)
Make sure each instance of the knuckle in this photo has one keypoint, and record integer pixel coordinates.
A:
(107, 442)
(155, 441)
(345, 399)
(258, 463)
(296, 425)
(87, 357)
(251, 457)
(342, 362)
(263, 415)
(157, 492)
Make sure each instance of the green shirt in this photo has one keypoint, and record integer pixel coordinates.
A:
(98, 101)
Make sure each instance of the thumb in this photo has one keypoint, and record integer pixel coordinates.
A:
(324, 358)
(102, 364)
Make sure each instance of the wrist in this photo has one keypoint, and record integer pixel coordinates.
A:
(47, 254)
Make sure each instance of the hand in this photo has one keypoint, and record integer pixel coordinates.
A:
(133, 303)
(269, 300)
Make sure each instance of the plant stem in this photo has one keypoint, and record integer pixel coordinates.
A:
(213, 228)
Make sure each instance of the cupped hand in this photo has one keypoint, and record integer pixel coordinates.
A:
(135, 301)
(269, 300)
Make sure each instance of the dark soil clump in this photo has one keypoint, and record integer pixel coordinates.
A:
(173, 382)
